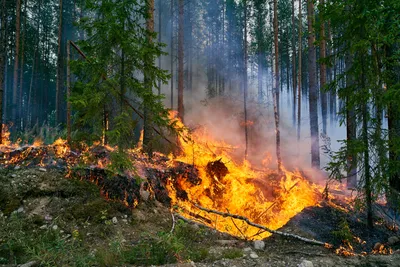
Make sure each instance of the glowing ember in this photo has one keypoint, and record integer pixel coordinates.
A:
(265, 197)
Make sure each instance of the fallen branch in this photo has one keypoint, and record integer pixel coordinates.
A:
(173, 223)
(304, 239)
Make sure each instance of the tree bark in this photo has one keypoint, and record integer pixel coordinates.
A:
(59, 81)
(299, 83)
(68, 92)
(172, 54)
(2, 63)
(276, 88)
(351, 130)
(180, 61)
(322, 69)
(159, 40)
(294, 79)
(147, 117)
(246, 135)
(21, 81)
(29, 108)
(313, 91)
(16, 61)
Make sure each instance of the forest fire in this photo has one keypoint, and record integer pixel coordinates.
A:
(204, 183)
(265, 197)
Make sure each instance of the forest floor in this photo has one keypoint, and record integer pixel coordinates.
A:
(48, 220)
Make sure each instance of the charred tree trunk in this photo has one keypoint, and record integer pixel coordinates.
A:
(16, 61)
(2, 63)
(313, 93)
(299, 83)
(59, 80)
(147, 116)
(276, 88)
(180, 61)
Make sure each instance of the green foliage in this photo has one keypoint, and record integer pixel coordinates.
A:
(111, 81)
(366, 33)
(343, 233)
(120, 162)
(21, 244)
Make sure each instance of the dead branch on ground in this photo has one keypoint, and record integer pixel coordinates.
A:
(304, 239)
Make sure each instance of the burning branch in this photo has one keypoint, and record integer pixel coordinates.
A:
(304, 239)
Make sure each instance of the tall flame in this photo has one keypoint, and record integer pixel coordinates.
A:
(264, 196)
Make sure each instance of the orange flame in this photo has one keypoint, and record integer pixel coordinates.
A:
(265, 197)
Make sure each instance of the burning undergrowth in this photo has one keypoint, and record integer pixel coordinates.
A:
(204, 174)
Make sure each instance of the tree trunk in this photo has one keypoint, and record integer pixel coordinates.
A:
(299, 83)
(351, 130)
(59, 81)
(16, 61)
(322, 69)
(246, 135)
(147, 117)
(29, 109)
(172, 54)
(2, 63)
(394, 133)
(68, 92)
(313, 93)
(159, 40)
(180, 61)
(294, 79)
(21, 81)
(276, 88)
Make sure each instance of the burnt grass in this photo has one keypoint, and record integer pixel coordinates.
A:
(333, 225)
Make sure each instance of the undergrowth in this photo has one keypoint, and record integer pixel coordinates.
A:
(22, 241)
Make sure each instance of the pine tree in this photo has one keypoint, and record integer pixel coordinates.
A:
(313, 91)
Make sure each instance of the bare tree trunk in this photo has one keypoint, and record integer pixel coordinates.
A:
(172, 54)
(147, 117)
(16, 61)
(299, 83)
(313, 93)
(246, 135)
(351, 129)
(59, 64)
(159, 40)
(21, 81)
(68, 92)
(2, 63)
(322, 76)
(29, 108)
(294, 79)
(180, 61)
(276, 88)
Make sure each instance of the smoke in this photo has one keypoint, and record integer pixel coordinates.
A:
(222, 117)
